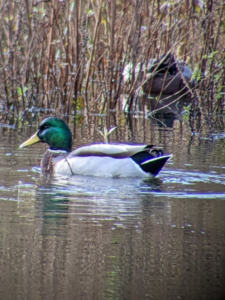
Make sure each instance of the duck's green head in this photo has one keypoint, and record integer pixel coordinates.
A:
(53, 131)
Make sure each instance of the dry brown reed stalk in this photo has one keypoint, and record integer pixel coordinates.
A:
(70, 55)
(89, 65)
(209, 96)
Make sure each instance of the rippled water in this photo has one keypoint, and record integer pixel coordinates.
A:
(100, 238)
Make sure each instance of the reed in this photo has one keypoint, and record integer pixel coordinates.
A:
(69, 55)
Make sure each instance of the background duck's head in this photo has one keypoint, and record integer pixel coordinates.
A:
(53, 131)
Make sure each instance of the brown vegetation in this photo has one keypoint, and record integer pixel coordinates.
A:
(69, 55)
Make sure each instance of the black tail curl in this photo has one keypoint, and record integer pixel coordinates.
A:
(152, 149)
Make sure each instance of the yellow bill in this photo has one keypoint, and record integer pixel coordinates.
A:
(32, 140)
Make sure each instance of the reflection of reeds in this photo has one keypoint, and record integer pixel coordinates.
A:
(60, 54)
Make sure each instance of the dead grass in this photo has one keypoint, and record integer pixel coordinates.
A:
(69, 55)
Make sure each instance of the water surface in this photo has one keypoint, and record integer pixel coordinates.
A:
(101, 238)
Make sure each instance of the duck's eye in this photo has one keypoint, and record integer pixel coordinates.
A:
(43, 127)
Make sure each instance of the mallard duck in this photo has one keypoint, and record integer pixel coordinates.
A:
(110, 160)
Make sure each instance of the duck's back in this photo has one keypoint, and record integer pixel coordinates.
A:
(109, 150)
